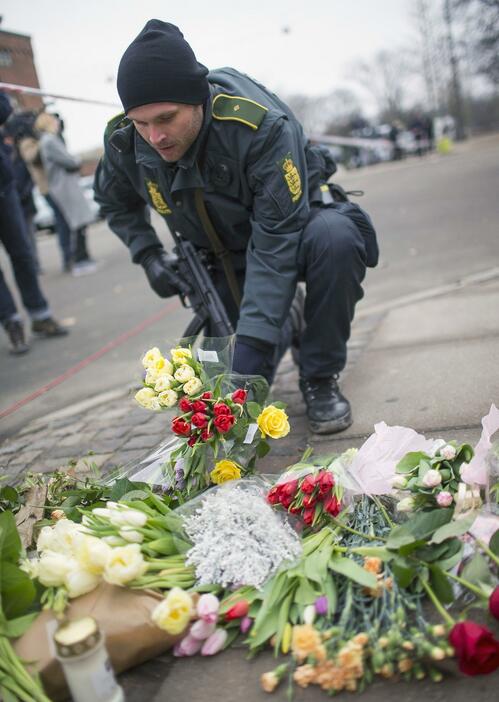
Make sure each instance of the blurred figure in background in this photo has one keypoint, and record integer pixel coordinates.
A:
(14, 237)
(65, 195)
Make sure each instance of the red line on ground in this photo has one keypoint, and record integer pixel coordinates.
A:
(89, 359)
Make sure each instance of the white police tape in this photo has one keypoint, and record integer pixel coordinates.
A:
(13, 88)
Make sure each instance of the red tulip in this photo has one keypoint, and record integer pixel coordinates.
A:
(192, 440)
(309, 501)
(199, 420)
(180, 426)
(273, 496)
(494, 603)
(239, 396)
(224, 422)
(477, 651)
(206, 396)
(185, 405)
(326, 482)
(221, 408)
(199, 406)
(332, 505)
(308, 484)
(237, 611)
(206, 435)
(308, 515)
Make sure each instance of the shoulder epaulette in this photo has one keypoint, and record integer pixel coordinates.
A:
(116, 122)
(238, 109)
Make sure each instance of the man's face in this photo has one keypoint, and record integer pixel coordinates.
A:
(169, 127)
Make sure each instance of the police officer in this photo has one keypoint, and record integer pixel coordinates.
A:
(198, 144)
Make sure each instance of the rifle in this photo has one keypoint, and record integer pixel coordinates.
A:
(196, 290)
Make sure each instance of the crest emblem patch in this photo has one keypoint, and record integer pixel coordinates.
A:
(157, 199)
(292, 178)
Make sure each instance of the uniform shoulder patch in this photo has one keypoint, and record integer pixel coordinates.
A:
(116, 122)
(238, 109)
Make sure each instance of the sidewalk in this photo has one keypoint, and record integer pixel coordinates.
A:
(430, 365)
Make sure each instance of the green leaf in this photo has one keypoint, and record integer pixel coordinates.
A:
(16, 589)
(477, 571)
(120, 488)
(280, 405)
(352, 570)
(453, 555)
(457, 527)
(441, 585)
(10, 543)
(262, 449)
(419, 527)
(399, 536)
(494, 543)
(403, 572)
(6, 695)
(375, 552)
(331, 593)
(13, 628)
(9, 493)
(410, 461)
(305, 593)
(254, 409)
(135, 495)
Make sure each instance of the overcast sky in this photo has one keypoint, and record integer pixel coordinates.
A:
(293, 46)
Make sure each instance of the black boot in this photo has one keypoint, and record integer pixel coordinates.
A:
(328, 411)
(15, 332)
(48, 328)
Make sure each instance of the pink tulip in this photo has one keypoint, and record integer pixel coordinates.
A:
(207, 608)
(201, 629)
(245, 625)
(189, 646)
(214, 643)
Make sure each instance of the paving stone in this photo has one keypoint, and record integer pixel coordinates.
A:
(14, 446)
(123, 458)
(77, 439)
(145, 441)
(111, 432)
(24, 458)
(84, 465)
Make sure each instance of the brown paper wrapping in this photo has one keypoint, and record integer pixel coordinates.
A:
(123, 615)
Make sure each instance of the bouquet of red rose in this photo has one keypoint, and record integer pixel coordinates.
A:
(314, 497)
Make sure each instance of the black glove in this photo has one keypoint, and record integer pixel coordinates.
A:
(160, 275)
(253, 357)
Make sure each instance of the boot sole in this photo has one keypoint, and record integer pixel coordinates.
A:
(331, 427)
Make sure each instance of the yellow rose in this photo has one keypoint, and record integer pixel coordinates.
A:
(184, 373)
(163, 382)
(174, 612)
(168, 398)
(179, 355)
(273, 422)
(225, 471)
(192, 386)
(150, 357)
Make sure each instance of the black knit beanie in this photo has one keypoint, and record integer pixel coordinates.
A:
(160, 66)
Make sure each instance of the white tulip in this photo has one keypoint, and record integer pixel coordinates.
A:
(30, 567)
(124, 564)
(150, 357)
(309, 614)
(102, 512)
(184, 373)
(92, 554)
(131, 535)
(79, 582)
(113, 541)
(163, 382)
(192, 386)
(53, 568)
(168, 398)
(145, 397)
(151, 377)
(128, 517)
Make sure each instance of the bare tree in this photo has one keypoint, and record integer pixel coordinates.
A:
(483, 21)
(318, 113)
(431, 53)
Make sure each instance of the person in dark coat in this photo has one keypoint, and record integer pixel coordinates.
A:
(189, 136)
(14, 237)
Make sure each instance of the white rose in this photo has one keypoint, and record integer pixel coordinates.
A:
(124, 564)
(448, 452)
(184, 373)
(432, 479)
(405, 505)
(164, 382)
(193, 386)
(92, 554)
(131, 535)
(168, 398)
(179, 355)
(399, 482)
(53, 568)
(150, 357)
(79, 582)
(144, 397)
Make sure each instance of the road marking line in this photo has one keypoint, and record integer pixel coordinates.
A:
(89, 359)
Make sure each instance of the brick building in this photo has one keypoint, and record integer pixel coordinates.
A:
(17, 65)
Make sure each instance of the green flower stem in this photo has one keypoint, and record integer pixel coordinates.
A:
(438, 605)
(487, 550)
(383, 511)
(467, 584)
(354, 531)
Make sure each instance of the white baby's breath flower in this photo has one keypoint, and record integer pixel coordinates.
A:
(164, 382)
(192, 386)
(238, 539)
(168, 398)
(184, 373)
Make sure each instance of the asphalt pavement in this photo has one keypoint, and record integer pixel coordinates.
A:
(423, 354)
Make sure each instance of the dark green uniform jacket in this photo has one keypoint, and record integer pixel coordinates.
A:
(259, 175)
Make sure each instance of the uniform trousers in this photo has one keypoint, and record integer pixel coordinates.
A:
(14, 237)
(332, 263)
